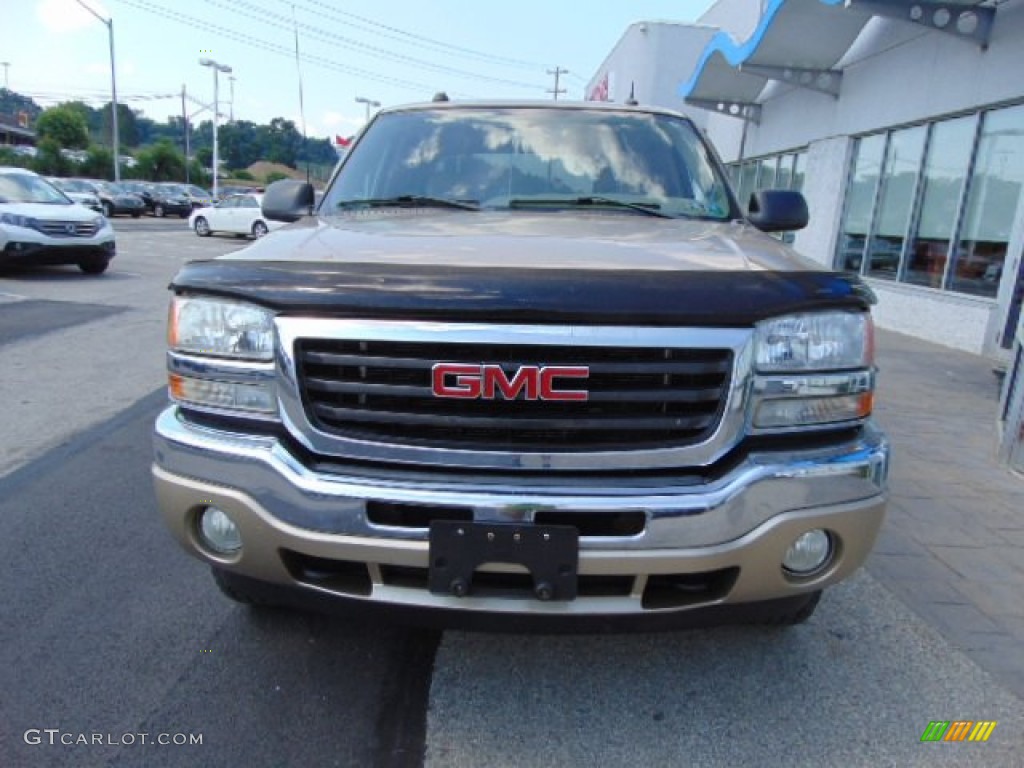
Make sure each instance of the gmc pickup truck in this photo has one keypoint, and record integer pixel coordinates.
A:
(525, 364)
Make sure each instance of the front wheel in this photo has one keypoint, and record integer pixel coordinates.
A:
(202, 227)
(797, 614)
(95, 266)
(259, 229)
(239, 590)
(136, 214)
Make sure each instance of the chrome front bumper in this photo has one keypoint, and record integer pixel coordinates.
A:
(740, 523)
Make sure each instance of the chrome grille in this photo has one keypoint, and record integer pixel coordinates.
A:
(639, 397)
(67, 228)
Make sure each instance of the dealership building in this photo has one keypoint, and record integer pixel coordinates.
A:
(901, 121)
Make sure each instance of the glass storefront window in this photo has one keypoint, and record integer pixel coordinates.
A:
(992, 203)
(748, 183)
(798, 172)
(860, 199)
(949, 153)
(785, 175)
(766, 177)
(895, 202)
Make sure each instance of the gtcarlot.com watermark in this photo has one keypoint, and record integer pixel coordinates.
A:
(55, 736)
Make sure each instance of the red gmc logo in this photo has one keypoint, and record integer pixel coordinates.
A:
(535, 382)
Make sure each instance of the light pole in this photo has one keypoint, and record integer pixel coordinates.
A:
(6, 65)
(369, 103)
(113, 92)
(216, 107)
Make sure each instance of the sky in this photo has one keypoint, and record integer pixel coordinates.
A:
(390, 51)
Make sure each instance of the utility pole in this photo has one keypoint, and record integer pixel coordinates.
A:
(557, 72)
(370, 103)
(6, 66)
(216, 67)
(113, 91)
(231, 110)
(184, 125)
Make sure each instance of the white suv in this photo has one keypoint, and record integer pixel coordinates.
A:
(39, 224)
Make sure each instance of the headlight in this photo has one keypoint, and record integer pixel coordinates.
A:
(16, 220)
(99, 222)
(220, 328)
(824, 341)
(813, 371)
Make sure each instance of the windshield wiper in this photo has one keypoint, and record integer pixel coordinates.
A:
(651, 209)
(412, 200)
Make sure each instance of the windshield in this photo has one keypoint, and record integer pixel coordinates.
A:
(23, 188)
(524, 157)
(197, 191)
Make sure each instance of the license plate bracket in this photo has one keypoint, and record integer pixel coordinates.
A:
(549, 552)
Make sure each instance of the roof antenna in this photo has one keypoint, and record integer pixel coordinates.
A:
(631, 101)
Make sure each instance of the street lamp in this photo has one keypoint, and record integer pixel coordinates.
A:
(369, 103)
(113, 92)
(216, 107)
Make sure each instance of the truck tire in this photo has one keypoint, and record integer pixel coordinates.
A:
(797, 615)
(235, 591)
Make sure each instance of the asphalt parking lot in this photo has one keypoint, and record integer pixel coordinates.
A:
(112, 629)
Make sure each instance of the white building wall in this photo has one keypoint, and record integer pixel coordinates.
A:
(951, 319)
(827, 160)
(895, 74)
(654, 58)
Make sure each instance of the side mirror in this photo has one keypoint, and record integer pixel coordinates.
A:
(288, 200)
(778, 210)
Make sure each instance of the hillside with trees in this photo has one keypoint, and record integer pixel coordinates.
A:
(157, 147)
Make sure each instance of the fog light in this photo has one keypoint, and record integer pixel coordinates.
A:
(218, 532)
(808, 553)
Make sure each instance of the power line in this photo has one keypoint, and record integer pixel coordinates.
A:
(196, 23)
(261, 14)
(424, 42)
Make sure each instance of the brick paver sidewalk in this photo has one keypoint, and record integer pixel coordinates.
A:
(952, 547)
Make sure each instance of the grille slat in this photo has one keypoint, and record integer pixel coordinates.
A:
(632, 395)
(67, 228)
(397, 417)
(637, 397)
(669, 366)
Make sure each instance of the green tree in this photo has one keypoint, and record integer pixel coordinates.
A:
(48, 160)
(99, 163)
(274, 176)
(90, 115)
(65, 126)
(204, 156)
(127, 126)
(161, 162)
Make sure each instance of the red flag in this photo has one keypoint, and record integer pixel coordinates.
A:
(341, 141)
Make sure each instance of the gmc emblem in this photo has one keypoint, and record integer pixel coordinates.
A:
(535, 382)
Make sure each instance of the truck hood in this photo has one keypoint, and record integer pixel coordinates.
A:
(522, 266)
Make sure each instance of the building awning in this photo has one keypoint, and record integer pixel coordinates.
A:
(13, 129)
(801, 42)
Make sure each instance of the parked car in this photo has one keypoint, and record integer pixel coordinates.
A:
(116, 199)
(168, 200)
(238, 214)
(198, 197)
(39, 225)
(79, 191)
